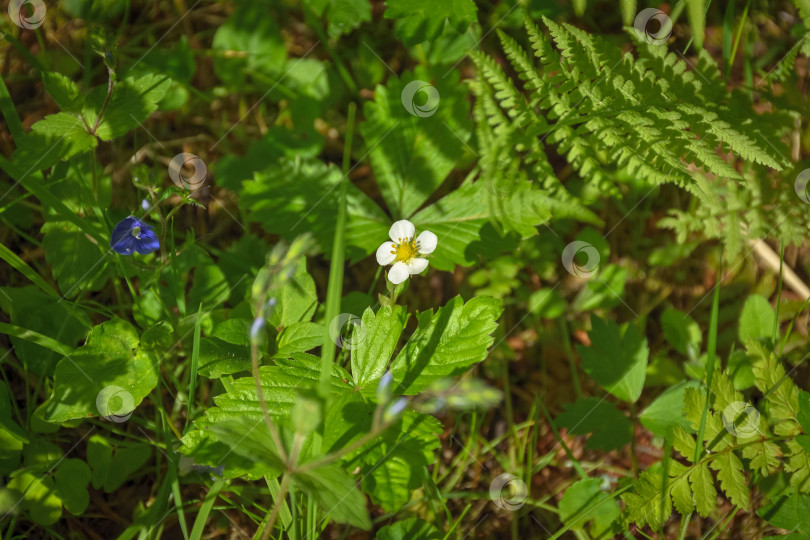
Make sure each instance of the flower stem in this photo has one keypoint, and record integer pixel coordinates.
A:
(110, 83)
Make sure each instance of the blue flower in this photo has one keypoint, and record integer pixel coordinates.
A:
(133, 235)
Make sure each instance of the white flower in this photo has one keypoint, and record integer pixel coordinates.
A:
(405, 251)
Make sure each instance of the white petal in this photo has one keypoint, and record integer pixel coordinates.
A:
(417, 266)
(398, 273)
(426, 242)
(401, 230)
(386, 254)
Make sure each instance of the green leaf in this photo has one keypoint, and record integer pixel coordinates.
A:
(292, 197)
(658, 417)
(378, 337)
(463, 223)
(682, 332)
(133, 100)
(99, 456)
(684, 442)
(703, 487)
(281, 385)
(409, 529)
(76, 261)
(209, 287)
(31, 309)
(617, 363)
(249, 43)
(392, 464)
(584, 501)
(297, 301)
(609, 428)
(732, 480)
(412, 153)
(299, 337)
(337, 494)
(125, 461)
(788, 512)
(71, 479)
(55, 137)
(682, 495)
(218, 357)
(110, 359)
(757, 319)
(40, 498)
(804, 411)
(63, 90)
(446, 343)
(423, 20)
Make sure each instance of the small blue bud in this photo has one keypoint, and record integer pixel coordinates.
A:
(258, 325)
(383, 393)
(146, 205)
(396, 407)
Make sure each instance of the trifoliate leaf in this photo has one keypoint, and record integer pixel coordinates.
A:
(71, 479)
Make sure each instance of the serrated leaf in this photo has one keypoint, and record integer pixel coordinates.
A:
(684, 443)
(609, 428)
(111, 357)
(299, 337)
(133, 100)
(55, 137)
(411, 154)
(289, 198)
(218, 357)
(732, 480)
(63, 90)
(703, 488)
(682, 496)
(378, 337)
(446, 343)
(617, 363)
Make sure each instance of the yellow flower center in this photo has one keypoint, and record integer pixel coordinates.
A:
(405, 250)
